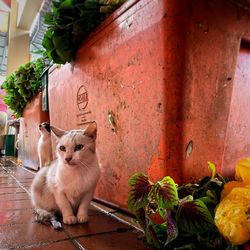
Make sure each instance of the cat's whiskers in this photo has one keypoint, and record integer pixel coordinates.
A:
(86, 147)
(84, 164)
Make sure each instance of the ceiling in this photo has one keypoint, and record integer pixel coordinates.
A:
(36, 33)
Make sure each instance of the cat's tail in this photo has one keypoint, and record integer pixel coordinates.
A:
(47, 218)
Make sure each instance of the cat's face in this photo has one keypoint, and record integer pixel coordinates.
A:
(75, 147)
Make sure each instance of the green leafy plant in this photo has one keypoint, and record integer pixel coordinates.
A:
(70, 22)
(175, 217)
(22, 85)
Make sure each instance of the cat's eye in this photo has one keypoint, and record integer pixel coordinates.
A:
(78, 147)
(62, 148)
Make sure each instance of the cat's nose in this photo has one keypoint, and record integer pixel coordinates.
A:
(68, 159)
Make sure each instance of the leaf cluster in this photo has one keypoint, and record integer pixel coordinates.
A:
(70, 22)
(22, 85)
(175, 217)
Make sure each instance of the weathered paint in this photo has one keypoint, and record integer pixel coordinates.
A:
(29, 133)
(164, 70)
(237, 142)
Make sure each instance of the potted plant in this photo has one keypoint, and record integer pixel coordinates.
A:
(22, 85)
(70, 22)
(24, 97)
(199, 215)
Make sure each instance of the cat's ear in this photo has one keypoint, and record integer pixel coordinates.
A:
(57, 131)
(91, 130)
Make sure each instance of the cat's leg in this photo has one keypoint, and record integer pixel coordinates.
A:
(82, 213)
(65, 208)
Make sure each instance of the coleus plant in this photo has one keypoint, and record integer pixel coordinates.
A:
(178, 217)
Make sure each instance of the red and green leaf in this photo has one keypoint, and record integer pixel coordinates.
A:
(165, 193)
(140, 187)
(172, 229)
(194, 217)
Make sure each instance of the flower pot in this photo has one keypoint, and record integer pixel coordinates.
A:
(29, 133)
(158, 79)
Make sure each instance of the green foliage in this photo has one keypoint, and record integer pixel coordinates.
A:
(22, 85)
(140, 188)
(70, 22)
(165, 193)
(194, 216)
(186, 213)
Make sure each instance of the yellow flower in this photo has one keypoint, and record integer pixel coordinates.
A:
(242, 171)
(232, 216)
(229, 186)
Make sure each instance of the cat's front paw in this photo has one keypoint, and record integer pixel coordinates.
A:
(82, 218)
(69, 220)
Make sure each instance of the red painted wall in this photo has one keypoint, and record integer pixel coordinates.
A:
(165, 69)
(237, 142)
(29, 133)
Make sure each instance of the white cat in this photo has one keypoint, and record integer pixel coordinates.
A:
(67, 185)
(44, 147)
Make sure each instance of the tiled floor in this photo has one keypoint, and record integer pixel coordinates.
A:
(19, 231)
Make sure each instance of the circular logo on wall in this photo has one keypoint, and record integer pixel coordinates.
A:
(82, 98)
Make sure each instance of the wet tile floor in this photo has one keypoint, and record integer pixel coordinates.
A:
(19, 231)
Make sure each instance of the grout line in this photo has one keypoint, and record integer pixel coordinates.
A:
(116, 217)
(99, 234)
(20, 184)
(10, 182)
(72, 240)
(94, 234)
(38, 244)
(16, 223)
(27, 199)
(79, 246)
(17, 181)
(25, 182)
(23, 192)
(15, 209)
(8, 187)
(26, 169)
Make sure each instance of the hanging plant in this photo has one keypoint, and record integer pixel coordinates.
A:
(70, 22)
(22, 85)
